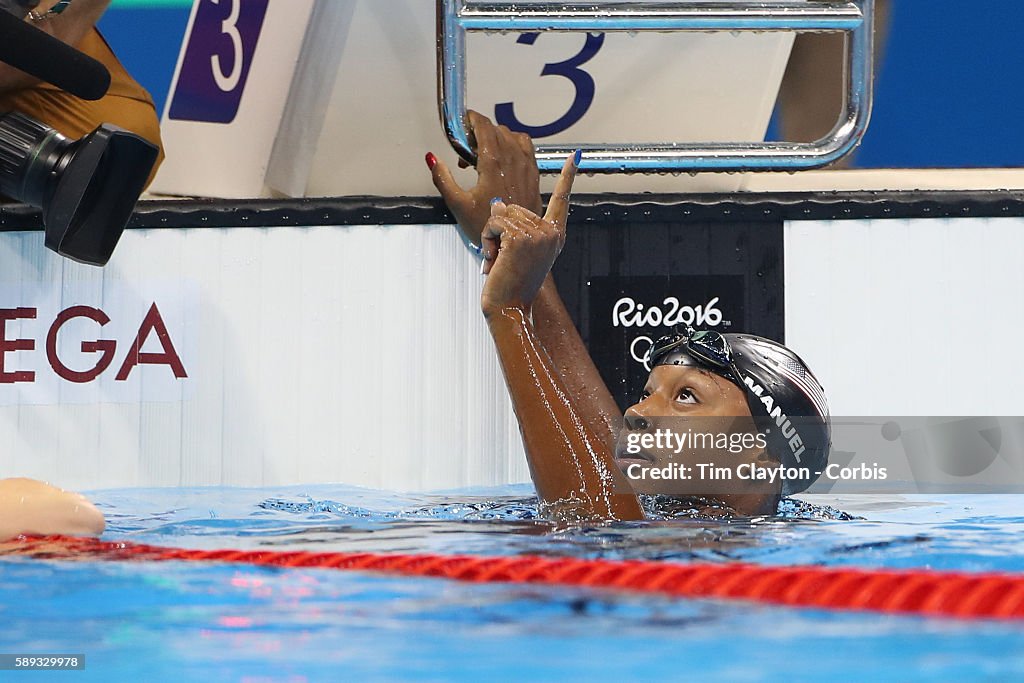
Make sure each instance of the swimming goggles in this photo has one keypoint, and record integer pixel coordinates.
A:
(708, 346)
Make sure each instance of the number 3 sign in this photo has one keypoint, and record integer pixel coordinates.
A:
(217, 60)
(504, 112)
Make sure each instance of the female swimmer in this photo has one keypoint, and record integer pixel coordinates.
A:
(582, 465)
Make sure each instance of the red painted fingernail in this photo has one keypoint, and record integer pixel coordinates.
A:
(431, 160)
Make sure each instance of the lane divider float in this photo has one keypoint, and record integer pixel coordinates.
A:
(917, 591)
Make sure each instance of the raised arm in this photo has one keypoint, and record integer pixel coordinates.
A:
(571, 464)
(506, 168)
(572, 360)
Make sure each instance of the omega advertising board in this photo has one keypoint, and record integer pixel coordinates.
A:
(627, 285)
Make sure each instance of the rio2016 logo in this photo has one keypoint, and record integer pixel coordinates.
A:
(628, 313)
(217, 60)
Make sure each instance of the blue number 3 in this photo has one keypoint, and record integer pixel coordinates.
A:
(504, 113)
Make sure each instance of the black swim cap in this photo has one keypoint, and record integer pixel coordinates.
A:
(783, 396)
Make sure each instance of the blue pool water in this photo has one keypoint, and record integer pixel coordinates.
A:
(187, 622)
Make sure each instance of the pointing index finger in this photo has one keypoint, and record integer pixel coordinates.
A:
(558, 207)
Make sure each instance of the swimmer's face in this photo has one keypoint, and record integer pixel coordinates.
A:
(683, 398)
(685, 390)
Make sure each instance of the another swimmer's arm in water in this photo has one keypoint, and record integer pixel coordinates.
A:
(34, 508)
(571, 464)
(507, 168)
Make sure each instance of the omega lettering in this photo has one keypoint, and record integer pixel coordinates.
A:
(8, 345)
(152, 325)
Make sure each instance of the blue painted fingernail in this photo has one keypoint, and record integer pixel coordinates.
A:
(495, 201)
(577, 157)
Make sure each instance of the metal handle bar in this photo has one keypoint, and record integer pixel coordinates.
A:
(456, 17)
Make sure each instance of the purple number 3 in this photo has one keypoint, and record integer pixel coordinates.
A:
(229, 27)
(217, 61)
(504, 112)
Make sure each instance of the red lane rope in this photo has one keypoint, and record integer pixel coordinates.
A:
(924, 592)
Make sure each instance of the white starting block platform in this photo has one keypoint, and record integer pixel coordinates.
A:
(339, 97)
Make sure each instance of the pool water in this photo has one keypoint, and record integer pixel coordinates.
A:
(180, 621)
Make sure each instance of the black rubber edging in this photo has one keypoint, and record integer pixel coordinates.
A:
(590, 208)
